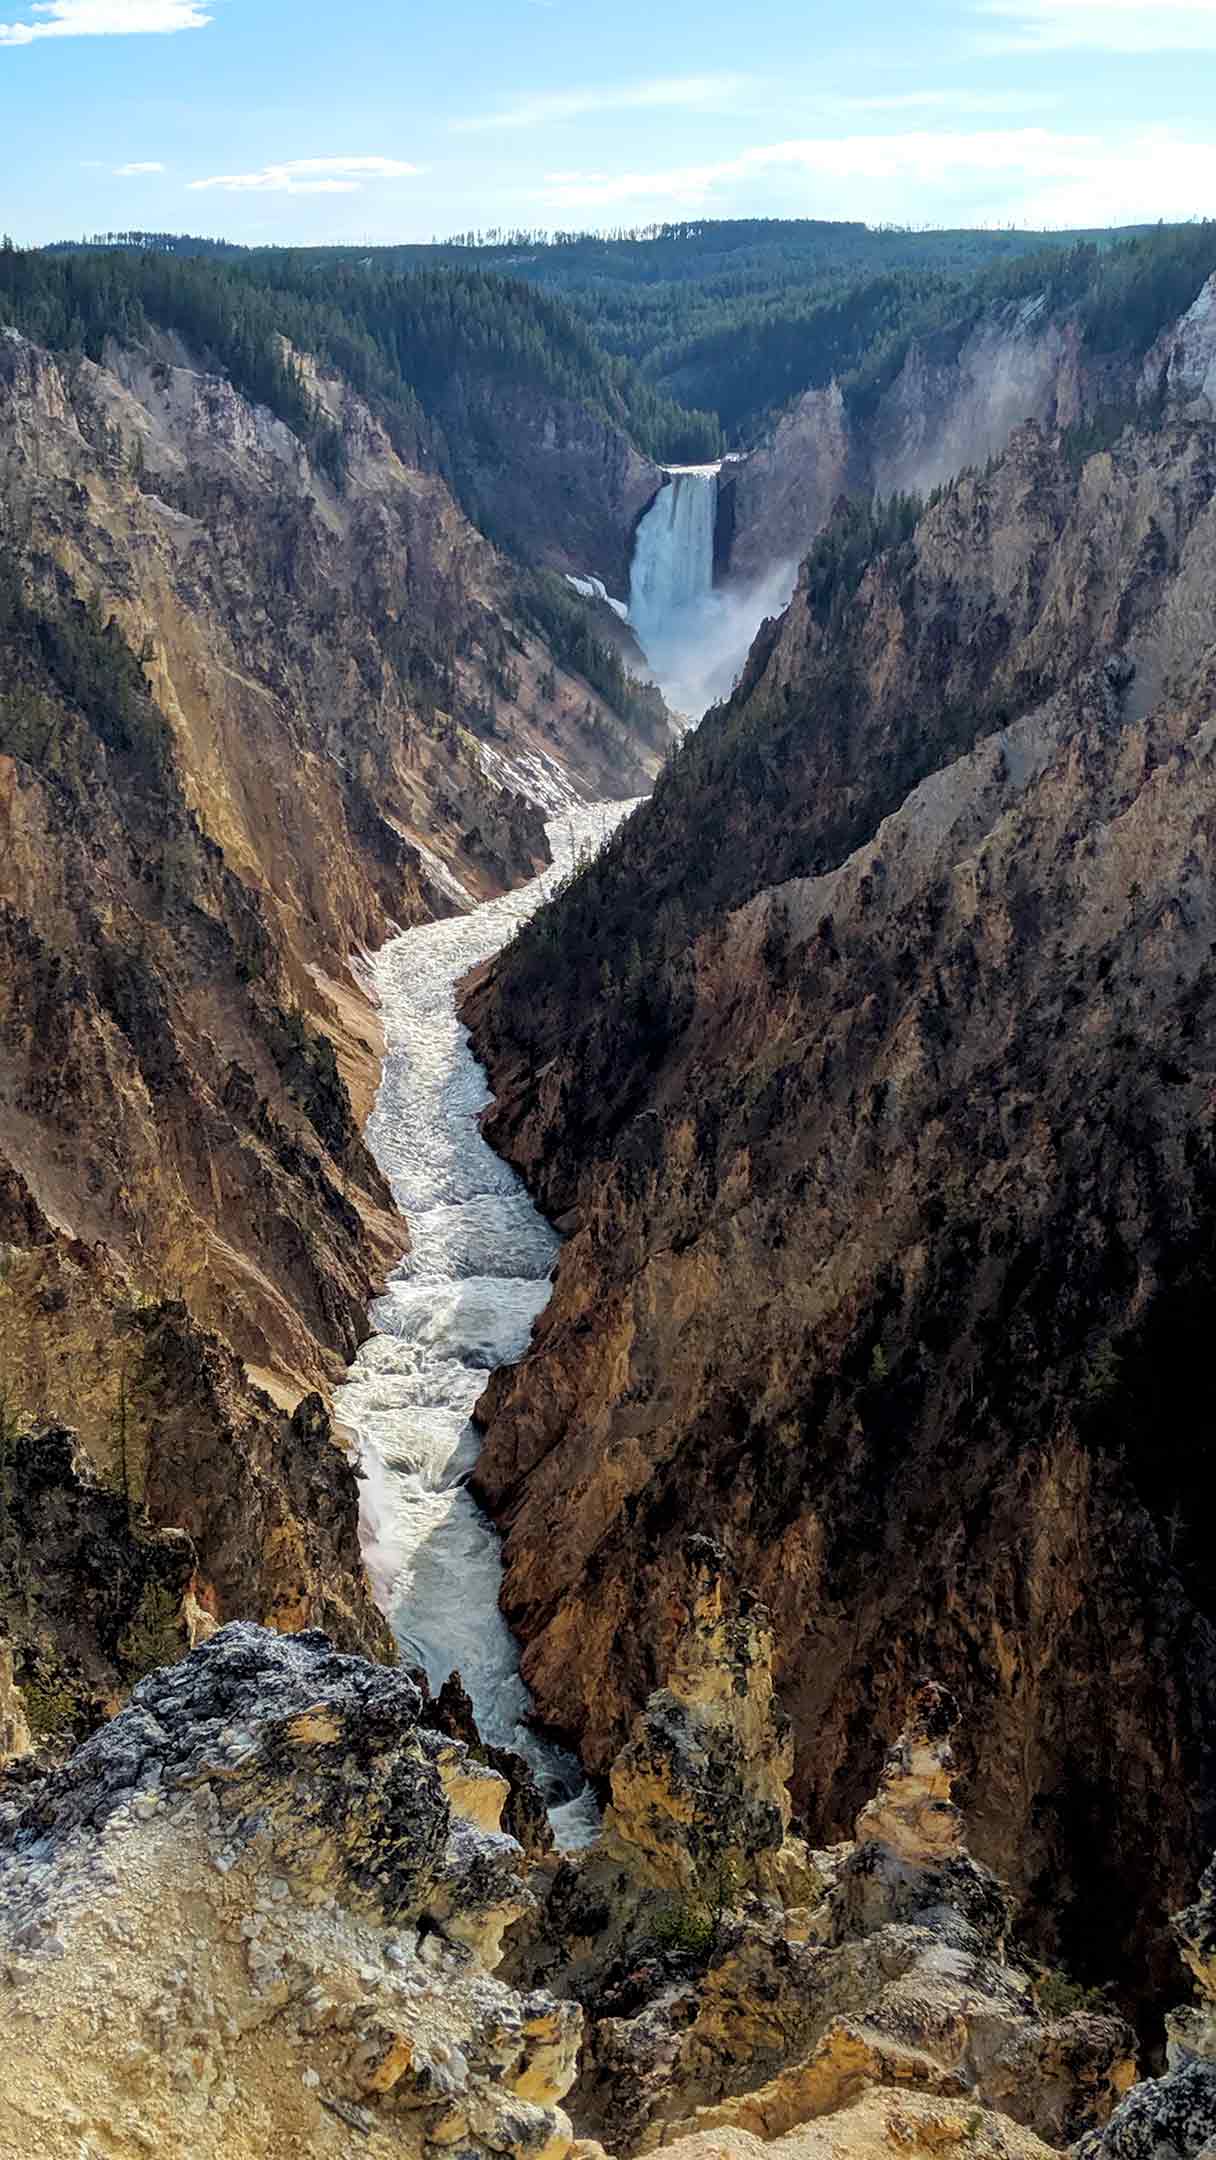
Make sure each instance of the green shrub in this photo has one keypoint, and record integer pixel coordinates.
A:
(51, 1706)
(1102, 1375)
(154, 1636)
(687, 1928)
(691, 1926)
(1056, 1996)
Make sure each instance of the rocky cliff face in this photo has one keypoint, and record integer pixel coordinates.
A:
(955, 402)
(261, 1909)
(549, 477)
(887, 1156)
(250, 718)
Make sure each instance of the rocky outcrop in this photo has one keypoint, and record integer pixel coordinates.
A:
(1192, 2033)
(885, 1153)
(1174, 2117)
(1182, 366)
(262, 1908)
(735, 1983)
(524, 1816)
(267, 1905)
(700, 1792)
(773, 501)
(882, 2122)
(912, 1815)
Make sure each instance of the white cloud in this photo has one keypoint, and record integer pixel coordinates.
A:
(106, 18)
(687, 93)
(130, 172)
(1117, 26)
(1030, 175)
(311, 176)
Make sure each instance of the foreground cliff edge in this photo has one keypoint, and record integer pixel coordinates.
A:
(269, 1909)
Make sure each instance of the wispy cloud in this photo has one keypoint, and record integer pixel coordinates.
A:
(1032, 174)
(1116, 26)
(964, 103)
(106, 18)
(311, 176)
(687, 93)
(141, 165)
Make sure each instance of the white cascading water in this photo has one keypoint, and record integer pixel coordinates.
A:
(695, 634)
(462, 1303)
(673, 557)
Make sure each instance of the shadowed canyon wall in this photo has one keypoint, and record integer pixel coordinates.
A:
(885, 1146)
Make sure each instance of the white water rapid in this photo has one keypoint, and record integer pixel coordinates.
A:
(460, 1304)
(695, 634)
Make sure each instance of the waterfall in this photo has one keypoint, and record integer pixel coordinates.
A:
(673, 560)
(696, 635)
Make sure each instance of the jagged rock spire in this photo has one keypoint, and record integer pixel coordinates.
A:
(913, 1812)
(702, 1784)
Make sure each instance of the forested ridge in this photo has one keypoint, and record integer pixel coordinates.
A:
(693, 333)
(398, 338)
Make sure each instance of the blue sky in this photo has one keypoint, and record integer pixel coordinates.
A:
(290, 120)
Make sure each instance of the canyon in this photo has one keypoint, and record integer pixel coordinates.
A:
(603, 1288)
(462, 1304)
(251, 722)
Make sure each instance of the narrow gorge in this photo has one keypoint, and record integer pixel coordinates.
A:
(608, 1204)
(463, 1303)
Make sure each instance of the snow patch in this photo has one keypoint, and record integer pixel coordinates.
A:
(593, 588)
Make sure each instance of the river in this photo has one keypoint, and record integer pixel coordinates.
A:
(462, 1303)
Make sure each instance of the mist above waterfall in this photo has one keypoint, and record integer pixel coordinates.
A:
(695, 635)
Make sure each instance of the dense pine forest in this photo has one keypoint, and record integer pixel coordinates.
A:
(399, 338)
(689, 336)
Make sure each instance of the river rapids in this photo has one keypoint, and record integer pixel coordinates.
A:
(462, 1303)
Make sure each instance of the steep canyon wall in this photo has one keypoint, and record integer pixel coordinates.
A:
(887, 1152)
